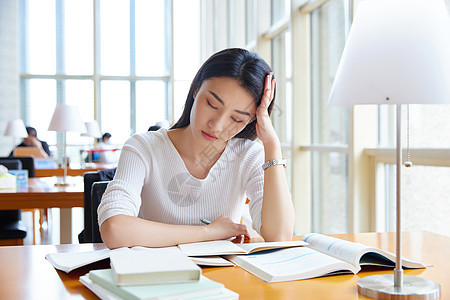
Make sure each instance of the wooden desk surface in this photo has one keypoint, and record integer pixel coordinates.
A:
(74, 170)
(25, 274)
(42, 193)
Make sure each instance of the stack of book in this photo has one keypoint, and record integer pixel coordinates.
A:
(153, 273)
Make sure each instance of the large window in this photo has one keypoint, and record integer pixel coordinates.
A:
(329, 123)
(114, 59)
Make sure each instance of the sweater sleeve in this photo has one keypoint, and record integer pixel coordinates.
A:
(123, 194)
(255, 186)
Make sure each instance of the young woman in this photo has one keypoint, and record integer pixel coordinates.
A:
(205, 166)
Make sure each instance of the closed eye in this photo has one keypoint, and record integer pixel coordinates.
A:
(236, 120)
(209, 103)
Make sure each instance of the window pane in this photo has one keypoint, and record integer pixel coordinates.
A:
(329, 123)
(150, 104)
(41, 37)
(250, 32)
(115, 37)
(281, 114)
(42, 99)
(81, 93)
(115, 110)
(79, 37)
(181, 90)
(186, 45)
(425, 205)
(151, 43)
(280, 9)
(329, 192)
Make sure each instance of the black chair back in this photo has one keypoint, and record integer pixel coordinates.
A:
(95, 184)
(98, 189)
(11, 164)
(11, 226)
(27, 163)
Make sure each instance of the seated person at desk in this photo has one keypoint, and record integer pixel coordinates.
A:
(204, 166)
(107, 155)
(32, 141)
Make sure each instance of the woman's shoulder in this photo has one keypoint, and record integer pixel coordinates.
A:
(148, 139)
(246, 147)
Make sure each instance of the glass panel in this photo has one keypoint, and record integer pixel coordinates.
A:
(81, 94)
(79, 37)
(329, 192)
(151, 38)
(115, 110)
(181, 90)
(42, 97)
(425, 205)
(150, 104)
(280, 9)
(115, 37)
(281, 60)
(186, 21)
(429, 126)
(329, 123)
(250, 33)
(41, 37)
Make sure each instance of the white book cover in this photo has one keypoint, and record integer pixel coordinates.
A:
(141, 265)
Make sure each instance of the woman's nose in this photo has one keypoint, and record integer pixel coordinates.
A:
(217, 123)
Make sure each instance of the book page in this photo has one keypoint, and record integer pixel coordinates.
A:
(68, 261)
(221, 247)
(253, 247)
(212, 261)
(290, 264)
(355, 253)
(347, 251)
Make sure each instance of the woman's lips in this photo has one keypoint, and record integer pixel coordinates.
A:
(209, 137)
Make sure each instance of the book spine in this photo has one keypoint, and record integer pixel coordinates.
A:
(111, 287)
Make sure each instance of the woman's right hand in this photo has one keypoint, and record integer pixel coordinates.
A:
(223, 228)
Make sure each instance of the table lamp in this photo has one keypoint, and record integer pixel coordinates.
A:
(92, 130)
(397, 52)
(16, 129)
(66, 118)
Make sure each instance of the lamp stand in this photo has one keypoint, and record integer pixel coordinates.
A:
(65, 161)
(398, 286)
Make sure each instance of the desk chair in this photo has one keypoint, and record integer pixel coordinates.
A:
(12, 229)
(95, 184)
(28, 164)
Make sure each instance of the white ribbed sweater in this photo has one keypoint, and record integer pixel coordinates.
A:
(152, 182)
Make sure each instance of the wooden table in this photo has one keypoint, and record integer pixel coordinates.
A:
(42, 193)
(74, 170)
(25, 274)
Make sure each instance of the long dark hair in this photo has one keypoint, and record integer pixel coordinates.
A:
(242, 65)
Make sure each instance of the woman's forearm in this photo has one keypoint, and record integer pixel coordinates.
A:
(127, 231)
(277, 215)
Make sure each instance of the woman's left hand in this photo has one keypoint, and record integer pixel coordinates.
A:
(264, 128)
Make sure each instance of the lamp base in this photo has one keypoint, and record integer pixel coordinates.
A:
(382, 287)
(62, 184)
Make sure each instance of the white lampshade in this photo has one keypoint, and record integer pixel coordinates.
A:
(66, 118)
(92, 129)
(16, 128)
(397, 50)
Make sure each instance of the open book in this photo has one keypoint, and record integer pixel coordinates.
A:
(324, 256)
(224, 247)
(211, 250)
